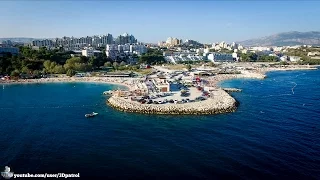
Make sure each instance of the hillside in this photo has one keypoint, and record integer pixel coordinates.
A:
(286, 39)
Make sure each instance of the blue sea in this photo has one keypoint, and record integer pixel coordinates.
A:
(274, 134)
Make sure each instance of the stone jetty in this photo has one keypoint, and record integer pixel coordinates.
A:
(219, 102)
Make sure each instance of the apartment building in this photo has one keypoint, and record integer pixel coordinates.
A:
(125, 39)
(113, 51)
(88, 52)
(220, 57)
(72, 43)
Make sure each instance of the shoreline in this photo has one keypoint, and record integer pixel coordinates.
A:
(219, 102)
(111, 81)
(261, 74)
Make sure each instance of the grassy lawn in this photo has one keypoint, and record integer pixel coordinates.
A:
(144, 71)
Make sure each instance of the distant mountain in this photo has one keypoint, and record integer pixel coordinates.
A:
(19, 39)
(286, 39)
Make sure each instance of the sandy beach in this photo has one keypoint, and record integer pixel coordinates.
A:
(127, 82)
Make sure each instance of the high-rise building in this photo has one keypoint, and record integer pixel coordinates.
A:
(73, 43)
(88, 52)
(125, 39)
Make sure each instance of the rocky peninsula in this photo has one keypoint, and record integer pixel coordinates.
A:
(219, 102)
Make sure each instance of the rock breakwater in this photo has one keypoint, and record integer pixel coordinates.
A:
(220, 102)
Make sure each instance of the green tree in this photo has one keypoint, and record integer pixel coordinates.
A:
(189, 67)
(59, 69)
(79, 67)
(107, 64)
(70, 73)
(15, 73)
(115, 65)
(47, 65)
(25, 70)
(36, 73)
(73, 63)
(94, 61)
(284, 63)
(122, 63)
(84, 59)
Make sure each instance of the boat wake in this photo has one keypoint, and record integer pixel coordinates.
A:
(277, 95)
(293, 87)
(271, 95)
(300, 74)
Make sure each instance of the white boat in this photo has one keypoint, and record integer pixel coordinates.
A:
(91, 114)
(110, 92)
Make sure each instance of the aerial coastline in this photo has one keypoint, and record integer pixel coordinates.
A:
(133, 96)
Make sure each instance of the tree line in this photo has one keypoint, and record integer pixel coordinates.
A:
(152, 57)
(33, 62)
(43, 61)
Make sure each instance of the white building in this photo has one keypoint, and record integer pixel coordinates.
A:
(200, 51)
(244, 51)
(113, 51)
(260, 48)
(219, 57)
(313, 54)
(206, 50)
(87, 52)
(235, 56)
(294, 58)
(138, 49)
(161, 84)
(284, 58)
(234, 45)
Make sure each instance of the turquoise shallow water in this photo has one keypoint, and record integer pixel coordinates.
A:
(274, 134)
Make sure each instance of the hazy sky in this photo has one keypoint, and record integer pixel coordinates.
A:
(152, 20)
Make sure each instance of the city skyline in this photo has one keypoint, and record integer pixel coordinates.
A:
(155, 21)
